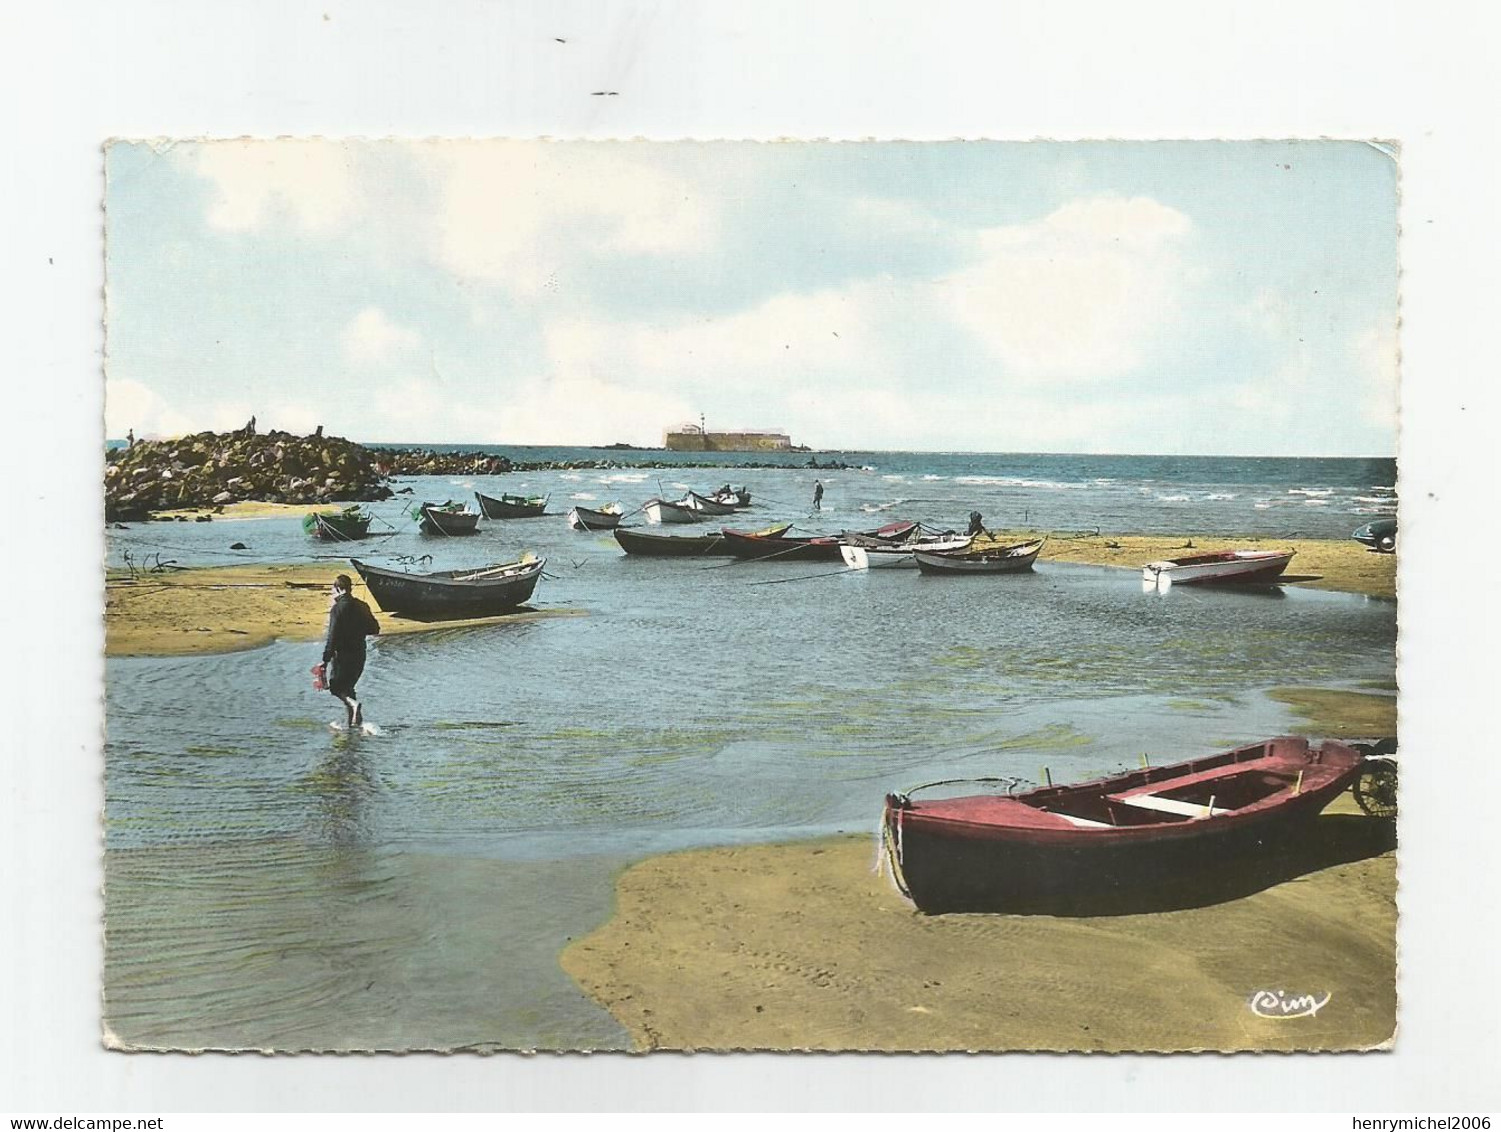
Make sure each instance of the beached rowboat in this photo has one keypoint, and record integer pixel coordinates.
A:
(663, 511)
(338, 526)
(681, 546)
(448, 518)
(1000, 560)
(1062, 848)
(452, 594)
(1217, 567)
(512, 506)
(606, 518)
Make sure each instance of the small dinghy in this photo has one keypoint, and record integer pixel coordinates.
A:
(1219, 567)
(607, 518)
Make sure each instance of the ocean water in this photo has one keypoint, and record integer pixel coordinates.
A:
(274, 885)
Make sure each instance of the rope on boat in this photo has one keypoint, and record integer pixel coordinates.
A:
(804, 578)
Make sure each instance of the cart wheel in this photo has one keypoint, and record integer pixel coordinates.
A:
(1375, 788)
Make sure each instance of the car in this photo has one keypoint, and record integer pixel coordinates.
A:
(1378, 535)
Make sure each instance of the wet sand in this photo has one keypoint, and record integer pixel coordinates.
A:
(229, 608)
(804, 946)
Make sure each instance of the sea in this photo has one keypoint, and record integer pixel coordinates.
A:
(272, 884)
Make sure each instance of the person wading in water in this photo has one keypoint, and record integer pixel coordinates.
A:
(818, 495)
(349, 623)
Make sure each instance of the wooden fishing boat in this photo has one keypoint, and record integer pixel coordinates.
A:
(453, 594)
(606, 518)
(681, 546)
(706, 504)
(862, 553)
(512, 506)
(448, 518)
(1219, 567)
(815, 548)
(338, 526)
(665, 511)
(1061, 847)
(999, 560)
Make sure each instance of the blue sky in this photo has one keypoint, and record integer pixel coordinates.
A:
(1189, 297)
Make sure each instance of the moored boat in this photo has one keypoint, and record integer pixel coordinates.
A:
(706, 504)
(997, 560)
(1059, 848)
(665, 511)
(346, 525)
(607, 518)
(1218, 567)
(680, 546)
(448, 518)
(862, 553)
(814, 548)
(512, 506)
(453, 594)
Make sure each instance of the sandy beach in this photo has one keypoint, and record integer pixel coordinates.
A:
(229, 608)
(806, 946)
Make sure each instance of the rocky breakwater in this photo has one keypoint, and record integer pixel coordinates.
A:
(211, 469)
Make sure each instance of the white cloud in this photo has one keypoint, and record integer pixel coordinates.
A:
(310, 180)
(520, 213)
(372, 338)
(130, 406)
(1377, 362)
(1083, 294)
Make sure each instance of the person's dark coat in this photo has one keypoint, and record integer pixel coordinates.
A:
(349, 623)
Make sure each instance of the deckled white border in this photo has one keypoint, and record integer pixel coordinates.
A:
(77, 74)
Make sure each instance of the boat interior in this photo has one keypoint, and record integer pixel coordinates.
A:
(1135, 805)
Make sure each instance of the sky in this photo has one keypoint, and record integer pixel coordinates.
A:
(1235, 298)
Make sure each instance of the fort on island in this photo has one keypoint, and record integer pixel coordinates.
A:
(696, 438)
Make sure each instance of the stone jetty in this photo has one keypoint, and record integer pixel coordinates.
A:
(211, 469)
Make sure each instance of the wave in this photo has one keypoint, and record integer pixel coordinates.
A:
(570, 476)
(933, 477)
(583, 495)
(624, 477)
(1315, 503)
(1220, 496)
(1376, 499)
(1310, 491)
(1006, 481)
(1171, 498)
(895, 478)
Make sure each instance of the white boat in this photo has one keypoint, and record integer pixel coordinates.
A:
(664, 511)
(901, 556)
(705, 504)
(1001, 560)
(1235, 566)
(607, 518)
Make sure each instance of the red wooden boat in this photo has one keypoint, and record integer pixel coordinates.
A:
(818, 548)
(1057, 848)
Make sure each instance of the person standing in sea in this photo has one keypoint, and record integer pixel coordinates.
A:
(818, 495)
(349, 623)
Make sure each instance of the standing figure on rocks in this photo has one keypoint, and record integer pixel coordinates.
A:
(130, 438)
(818, 495)
(349, 623)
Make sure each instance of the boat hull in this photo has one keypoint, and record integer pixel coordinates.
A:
(510, 507)
(708, 506)
(1013, 560)
(587, 519)
(337, 527)
(435, 522)
(675, 546)
(1240, 567)
(660, 511)
(859, 557)
(1014, 855)
(454, 595)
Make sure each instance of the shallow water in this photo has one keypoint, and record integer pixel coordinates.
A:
(274, 884)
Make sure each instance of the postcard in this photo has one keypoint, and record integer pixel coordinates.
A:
(840, 596)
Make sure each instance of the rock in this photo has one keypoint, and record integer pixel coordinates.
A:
(238, 546)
